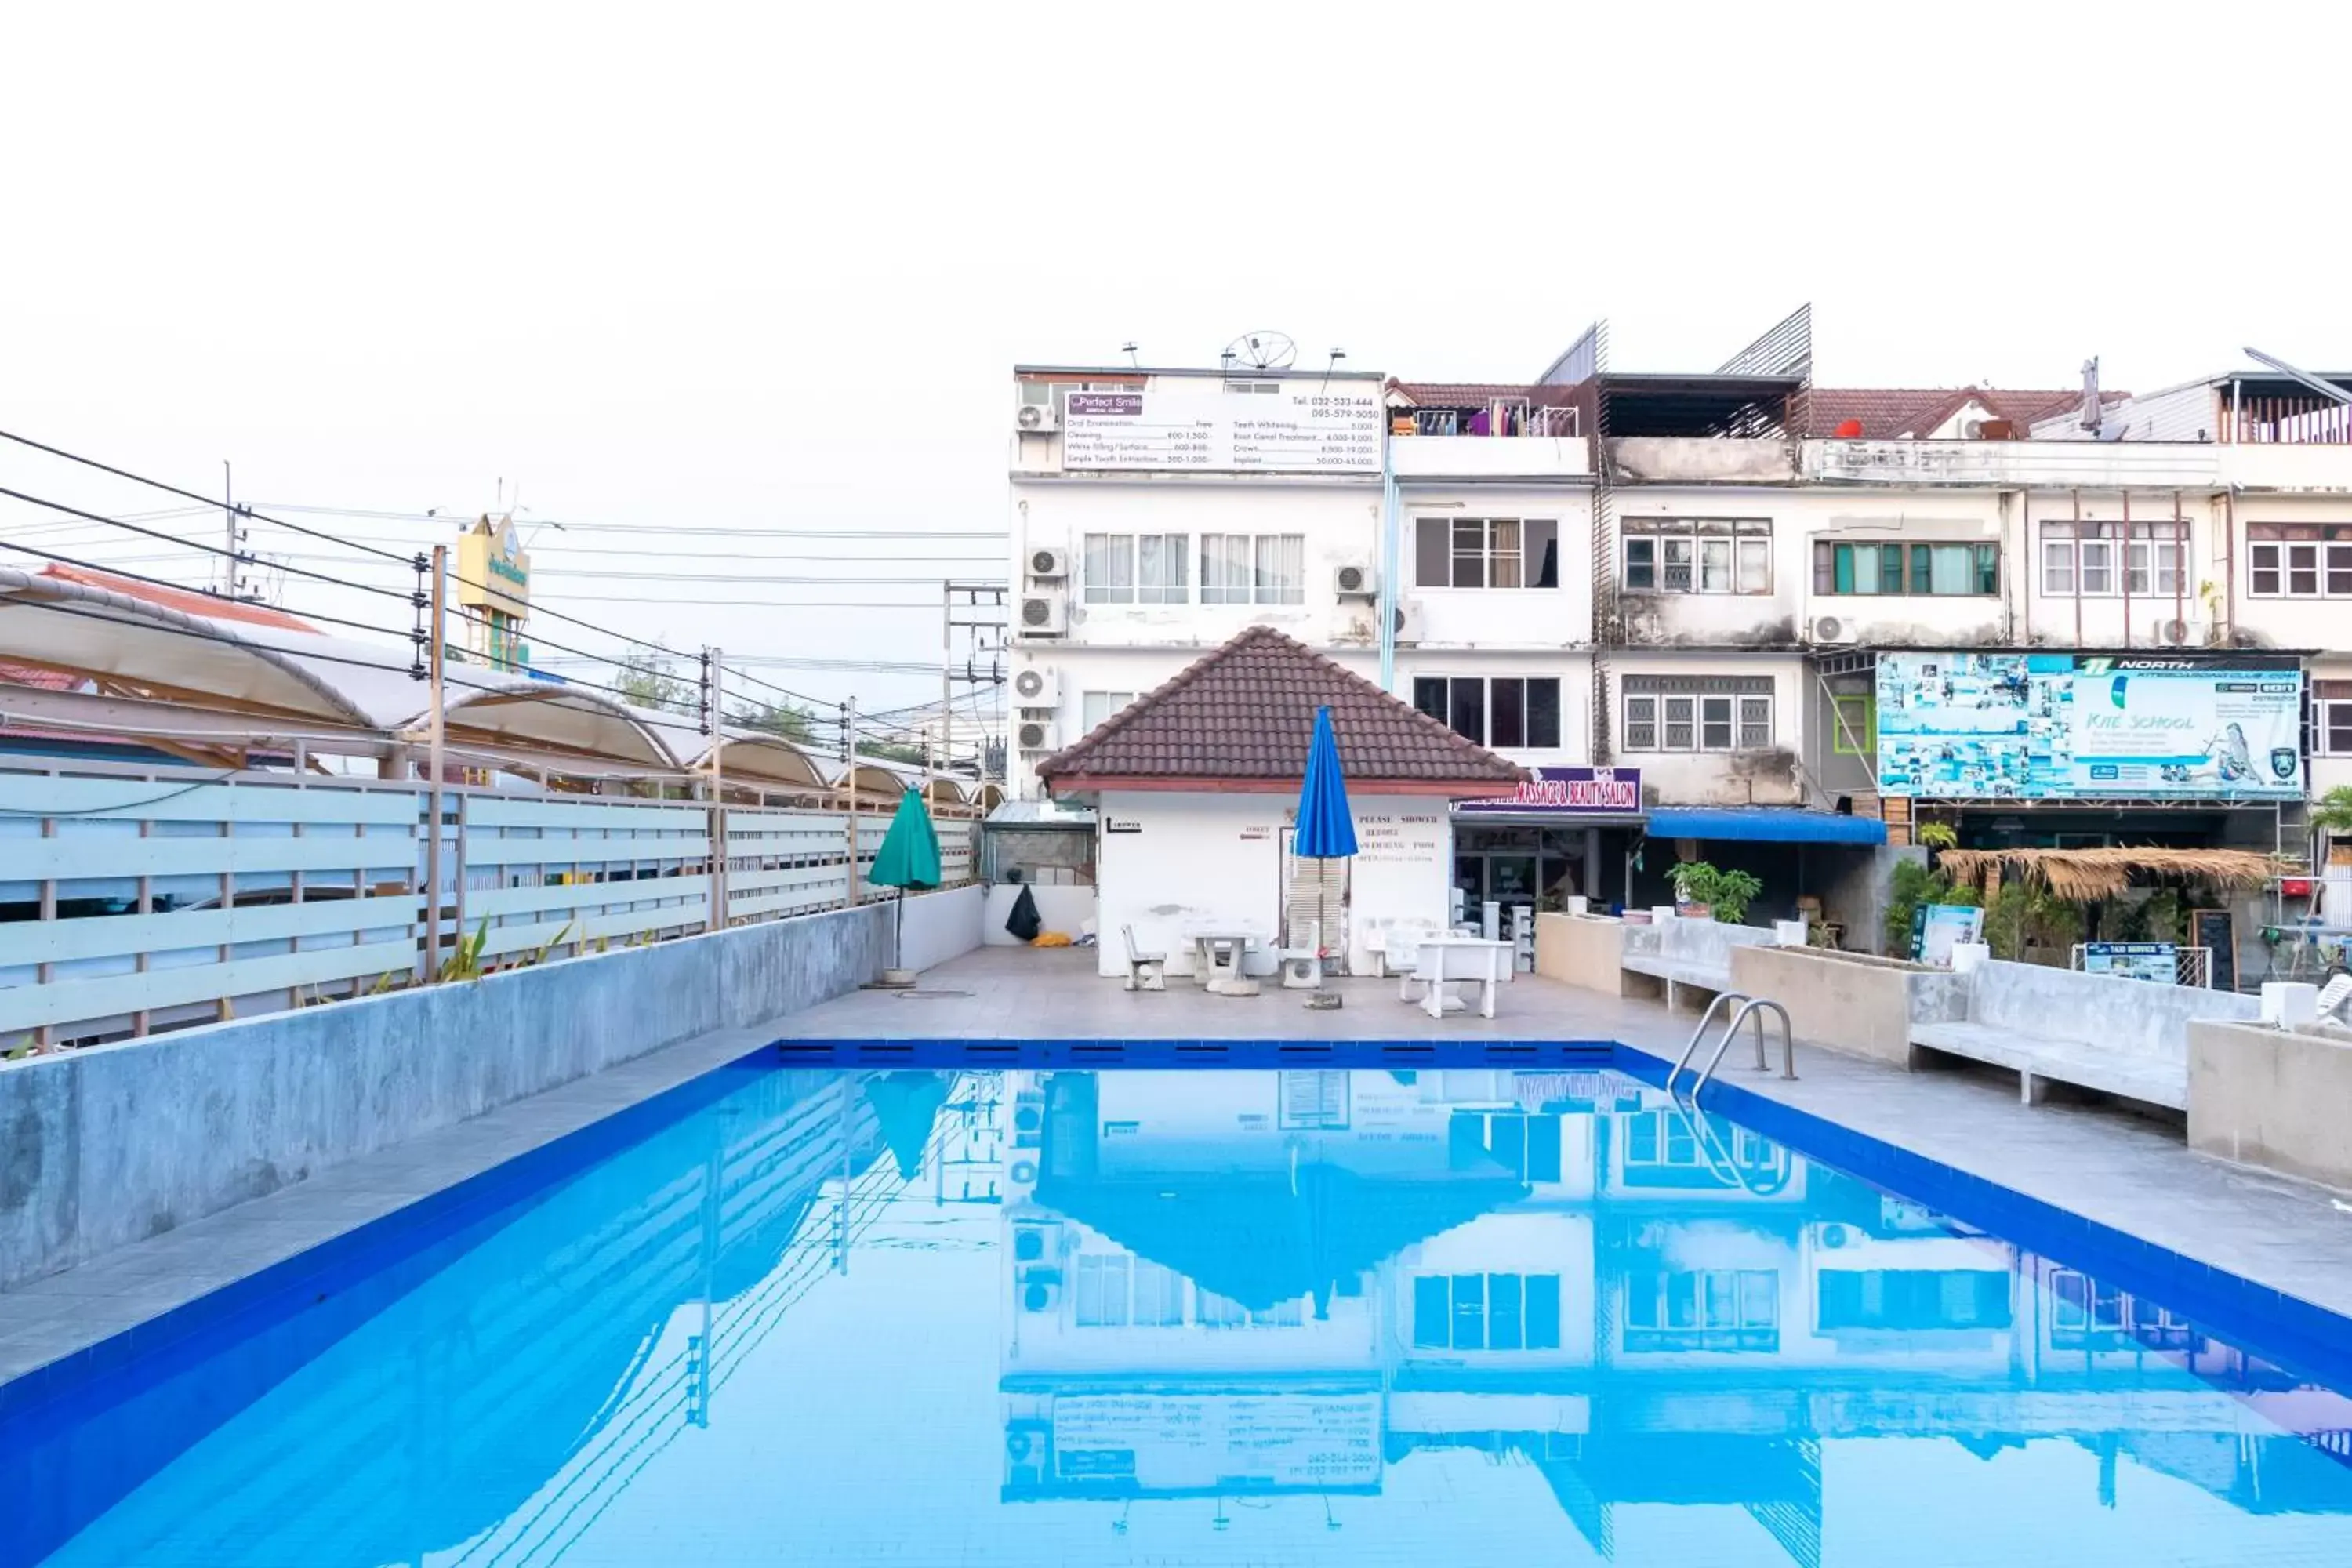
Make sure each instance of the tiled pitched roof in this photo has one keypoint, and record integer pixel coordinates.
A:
(212, 606)
(1887, 413)
(1247, 712)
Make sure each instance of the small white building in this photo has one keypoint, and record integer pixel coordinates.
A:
(1195, 785)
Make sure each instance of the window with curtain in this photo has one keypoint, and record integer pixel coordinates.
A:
(1101, 1293)
(1703, 1309)
(1486, 553)
(1252, 569)
(1107, 569)
(1161, 573)
(1944, 570)
(1697, 554)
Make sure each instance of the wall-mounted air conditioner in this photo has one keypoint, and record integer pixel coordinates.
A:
(1831, 629)
(2181, 634)
(1355, 580)
(1035, 735)
(1034, 687)
(1049, 565)
(1407, 620)
(1038, 419)
(1043, 616)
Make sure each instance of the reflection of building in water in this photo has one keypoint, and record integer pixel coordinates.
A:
(1229, 1283)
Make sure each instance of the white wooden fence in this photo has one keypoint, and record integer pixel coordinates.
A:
(135, 899)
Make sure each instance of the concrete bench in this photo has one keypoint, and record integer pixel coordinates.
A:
(1682, 973)
(2127, 1037)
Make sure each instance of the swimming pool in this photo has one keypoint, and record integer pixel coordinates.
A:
(1045, 1316)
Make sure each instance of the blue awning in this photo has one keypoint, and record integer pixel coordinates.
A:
(1764, 824)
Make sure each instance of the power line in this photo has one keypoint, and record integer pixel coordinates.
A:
(208, 549)
(208, 502)
(731, 531)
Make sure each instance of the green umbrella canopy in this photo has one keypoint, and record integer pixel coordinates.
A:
(909, 855)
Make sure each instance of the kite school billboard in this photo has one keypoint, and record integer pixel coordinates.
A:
(2076, 726)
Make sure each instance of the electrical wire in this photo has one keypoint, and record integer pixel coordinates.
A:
(725, 531)
(208, 501)
(208, 549)
(121, 804)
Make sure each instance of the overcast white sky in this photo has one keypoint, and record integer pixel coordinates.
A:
(769, 265)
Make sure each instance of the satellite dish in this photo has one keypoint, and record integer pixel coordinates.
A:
(1261, 350)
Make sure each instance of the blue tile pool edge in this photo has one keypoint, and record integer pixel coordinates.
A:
(273, 1292)
(2307, 1338)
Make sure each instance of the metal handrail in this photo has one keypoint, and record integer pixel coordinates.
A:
(1788, 1043)
(1697, 1034)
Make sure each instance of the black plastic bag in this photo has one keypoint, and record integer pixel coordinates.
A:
(1023, 921)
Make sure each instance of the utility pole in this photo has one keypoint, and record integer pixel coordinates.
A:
(947, 677)
(233, 563)
(713, 714)
(849, 754)
(436, 737)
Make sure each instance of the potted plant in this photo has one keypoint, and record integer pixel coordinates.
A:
(1704, 892)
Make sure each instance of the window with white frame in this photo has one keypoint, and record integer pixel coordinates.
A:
(1253, 568)
(1486, 553)
(1114, 1292)
(1135, 568)
(1884, 567)
(1510, 712)
(2095, 560)
(1094, 707)
(2299, 559)
(2331, 718)
(1486, 1311)
(1703, 1309)
(1697, 712)
(1697, 554)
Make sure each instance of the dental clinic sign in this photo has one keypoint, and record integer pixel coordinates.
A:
(1565, 793)
(2072, 726)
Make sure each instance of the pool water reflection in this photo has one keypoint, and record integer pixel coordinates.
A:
(1237, 1317)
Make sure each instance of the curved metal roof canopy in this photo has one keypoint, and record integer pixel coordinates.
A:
(135, 645)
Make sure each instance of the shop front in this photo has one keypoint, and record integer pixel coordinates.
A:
(1560, 834)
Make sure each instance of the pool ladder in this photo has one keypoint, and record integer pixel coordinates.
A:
(1756, 1006)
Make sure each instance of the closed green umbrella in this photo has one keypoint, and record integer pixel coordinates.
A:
(910, 856)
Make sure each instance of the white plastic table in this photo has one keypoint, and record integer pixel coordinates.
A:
(1470, 959)
(1218, 952)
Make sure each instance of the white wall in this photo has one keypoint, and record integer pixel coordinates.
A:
(1204, 859)
(1063, 907)
(940, 926)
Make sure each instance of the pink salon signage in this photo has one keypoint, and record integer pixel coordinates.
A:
(1566, 792)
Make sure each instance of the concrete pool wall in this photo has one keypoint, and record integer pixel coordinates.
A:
(106, 1146)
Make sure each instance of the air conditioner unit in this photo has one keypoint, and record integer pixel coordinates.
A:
(2181, 634)
(1355, 580)
(1035, 1242)
(1038, 1290)
(1049, 565)
(1037, 418)
(1407, 620)
(1831, 629)
(1028, 1454)
(1043, 616)
(1034, 687)
(1035, 735)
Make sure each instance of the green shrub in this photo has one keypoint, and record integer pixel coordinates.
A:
(1726, 893)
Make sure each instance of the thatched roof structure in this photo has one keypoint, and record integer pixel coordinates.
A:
(2083, 875)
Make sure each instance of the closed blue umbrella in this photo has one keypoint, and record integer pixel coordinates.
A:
(1325, 831)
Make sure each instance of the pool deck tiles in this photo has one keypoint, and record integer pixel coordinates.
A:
(2100, 1166)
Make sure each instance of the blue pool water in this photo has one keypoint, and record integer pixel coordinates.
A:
(1028, 1318)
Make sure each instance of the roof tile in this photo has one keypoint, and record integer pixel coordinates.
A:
(1246, 711)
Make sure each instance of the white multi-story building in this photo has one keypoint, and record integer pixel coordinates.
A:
(1699, 577)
